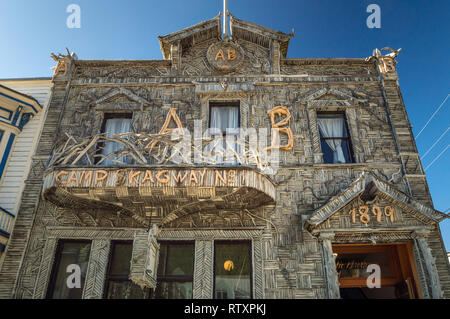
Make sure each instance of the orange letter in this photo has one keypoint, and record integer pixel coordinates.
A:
(100, 179)
(220, 55)
(58, 176)
(231, 55)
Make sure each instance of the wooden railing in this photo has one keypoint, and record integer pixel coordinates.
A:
(6, 222)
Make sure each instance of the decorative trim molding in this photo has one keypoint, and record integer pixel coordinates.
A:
(97, 267)
(45, 269)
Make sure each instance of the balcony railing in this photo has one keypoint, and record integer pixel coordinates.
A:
(6, 222)
(140, 149)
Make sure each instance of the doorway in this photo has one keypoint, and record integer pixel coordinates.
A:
(398, 274)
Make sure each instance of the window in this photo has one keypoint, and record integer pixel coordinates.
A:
(232, 270)
(334, 138)
(224, 119)
(117, 284)
(175, 271)
(115, 124)
(68, 253)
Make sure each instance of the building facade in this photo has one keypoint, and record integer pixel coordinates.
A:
(22, 108)
(226, 170)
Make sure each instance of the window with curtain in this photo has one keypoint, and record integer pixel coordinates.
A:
(115, 124)
(117, 284)
(175, 271)
(335, 141)
(232, 272)
(68, 253)
(224, 121)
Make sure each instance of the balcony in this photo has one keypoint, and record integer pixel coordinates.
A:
(151, 181)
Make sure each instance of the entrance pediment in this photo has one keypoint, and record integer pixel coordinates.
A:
(371, 204)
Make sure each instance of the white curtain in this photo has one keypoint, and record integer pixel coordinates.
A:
(112, 127)
(333, 127)
(226, 119)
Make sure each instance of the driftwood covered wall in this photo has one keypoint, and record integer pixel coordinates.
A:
(291, 258)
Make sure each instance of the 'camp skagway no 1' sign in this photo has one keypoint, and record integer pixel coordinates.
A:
(225, 55)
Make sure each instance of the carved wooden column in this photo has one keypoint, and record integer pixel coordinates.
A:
(430, 264)
(325, 239)
(175, 54)
(45, 269)
(203, 269)
(98, 263)
(276, 57)
(258, 288)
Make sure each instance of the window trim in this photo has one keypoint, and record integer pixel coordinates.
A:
(348, 138)
(57, 262)
(233, 242)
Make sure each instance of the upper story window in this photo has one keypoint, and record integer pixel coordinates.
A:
(334, 138)
(175, 271)
(117, 284)
(68, 253)
(224, 119)
(115, 123)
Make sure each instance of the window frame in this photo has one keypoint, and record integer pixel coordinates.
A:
(57, 261)
(225, 103)
(348, 139)
(174, 278)
(106, 117)
(109, 277)
(231, 103)
(233, 242)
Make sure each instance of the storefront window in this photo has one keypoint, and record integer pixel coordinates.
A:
(175, 271)
(117, 285)
(232, 275)
(68, 253)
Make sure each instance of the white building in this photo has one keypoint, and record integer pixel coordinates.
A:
(23, 105)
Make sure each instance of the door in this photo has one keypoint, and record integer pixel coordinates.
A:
(398, 275)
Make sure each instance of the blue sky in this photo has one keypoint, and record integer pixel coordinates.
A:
(111, 29)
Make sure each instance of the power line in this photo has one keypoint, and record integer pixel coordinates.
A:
(426, 153)
(437, 157)
(433, 115)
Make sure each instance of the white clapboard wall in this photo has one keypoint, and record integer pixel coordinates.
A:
(18, 165)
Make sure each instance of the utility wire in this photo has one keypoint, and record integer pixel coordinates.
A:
(437, 157)
(426, 153)
(432, 116)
